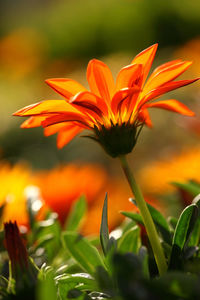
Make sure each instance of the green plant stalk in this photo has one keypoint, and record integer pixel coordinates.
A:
(146, 216)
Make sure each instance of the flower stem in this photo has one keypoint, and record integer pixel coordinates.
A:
(146, 216)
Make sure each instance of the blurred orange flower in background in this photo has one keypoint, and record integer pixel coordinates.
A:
(110, 110)
(14, 180)
(21, 52)
(188, 50)
(58, 189)
(156, 177)
(62, 186)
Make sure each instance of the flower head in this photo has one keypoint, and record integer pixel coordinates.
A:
(113, 111)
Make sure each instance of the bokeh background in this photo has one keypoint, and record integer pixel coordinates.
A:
(48, 39)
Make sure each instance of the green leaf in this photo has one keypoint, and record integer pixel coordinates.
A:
(104, 232)
(82, 251)
(191, 187)
(130, 241)
(159, 221)
(79, 281)
(76, 215)
(46, 288)
(185, 225)
(182, 234)
(133, 216)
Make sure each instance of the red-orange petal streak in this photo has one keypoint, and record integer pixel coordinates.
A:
(172, 105)
(100, 79)
(121, 96)
(32, 122)
(90, 101)
(66, 117)
(65, 87)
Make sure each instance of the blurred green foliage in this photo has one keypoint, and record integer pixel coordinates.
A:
(87, 28)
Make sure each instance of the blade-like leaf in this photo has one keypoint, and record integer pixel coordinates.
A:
(191, 187)
(82, 251)
(76, 215)
(182, 233)
(133, 216)
(130, 241)
(104, 232)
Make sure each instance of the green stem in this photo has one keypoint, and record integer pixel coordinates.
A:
(146, 216)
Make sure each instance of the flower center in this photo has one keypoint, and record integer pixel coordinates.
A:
(117, 139)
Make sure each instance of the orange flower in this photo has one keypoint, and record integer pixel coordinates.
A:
(14, 180)
(112, 111)
(63, 185)
(156, 178)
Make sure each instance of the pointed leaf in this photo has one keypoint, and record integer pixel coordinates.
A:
(104, 232)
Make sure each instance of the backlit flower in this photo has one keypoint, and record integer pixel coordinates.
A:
(113, 111)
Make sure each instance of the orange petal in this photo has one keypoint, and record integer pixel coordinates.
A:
(32, 122)
(121, 96)
(46, 107)
(90, 101)
(65, 87)
(165, 89)
(165, 65)
(172, 105)
(129, 76)
(166, 75)
(100, 79)
(66, 117)
(146, 58)
(66, 136)
(50, 130)
(144, 117)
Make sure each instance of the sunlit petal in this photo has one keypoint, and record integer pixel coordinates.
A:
(144, 117)
(50, 130)
(129, 76)
(91, 101)
(166, 75)
(32, 122)
(65, 87)
(172, 105)
(65, 136)
(146, 58)
(166, 88)
(100, 79)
